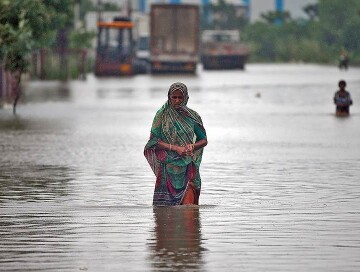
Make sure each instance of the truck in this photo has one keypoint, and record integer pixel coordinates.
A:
(114, 52)
(142, 37)
(222, 49)
(174, 38)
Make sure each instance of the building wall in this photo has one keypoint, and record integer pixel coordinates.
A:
(136, 4)
(256, 7)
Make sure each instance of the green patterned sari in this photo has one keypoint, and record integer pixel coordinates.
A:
(174, 172)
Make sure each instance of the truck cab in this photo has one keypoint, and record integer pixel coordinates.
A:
(115, 54)
(222, 49)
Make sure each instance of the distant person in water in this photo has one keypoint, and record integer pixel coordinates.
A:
(343, 60)
(174, 150)
(342, 100)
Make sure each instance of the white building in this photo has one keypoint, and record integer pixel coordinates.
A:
(141, 8)
(255, 7)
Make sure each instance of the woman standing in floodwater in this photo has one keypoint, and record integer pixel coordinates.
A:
(174, 150)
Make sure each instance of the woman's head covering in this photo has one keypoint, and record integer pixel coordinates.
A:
(175, 126)
(182, 88)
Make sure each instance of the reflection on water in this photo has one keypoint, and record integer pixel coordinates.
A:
(13, 123)
(47, 91)
(36, 240)
(33, 182)
(280, 175)
(106, 93)
(176, 242)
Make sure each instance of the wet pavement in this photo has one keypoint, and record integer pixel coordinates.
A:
(280, 176)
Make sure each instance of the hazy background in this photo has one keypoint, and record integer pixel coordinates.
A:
(280, 188)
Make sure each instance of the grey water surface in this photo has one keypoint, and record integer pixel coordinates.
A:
(280, 175)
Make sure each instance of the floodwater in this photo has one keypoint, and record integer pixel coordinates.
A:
(280, 175)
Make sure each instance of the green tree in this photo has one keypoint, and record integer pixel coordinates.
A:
(333, 26)
(340, 24)
(275, 17)
(312, 10)
(24, 26)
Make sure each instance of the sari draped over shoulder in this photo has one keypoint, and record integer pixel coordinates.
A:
(174, 172)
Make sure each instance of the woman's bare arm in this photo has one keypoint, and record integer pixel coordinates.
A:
(200, 144)
(182, 150)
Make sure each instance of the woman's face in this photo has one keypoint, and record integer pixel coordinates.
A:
(176, 98)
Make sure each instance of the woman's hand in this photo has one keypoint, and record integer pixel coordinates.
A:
(189, 149)
(181, 150)
(184, 150)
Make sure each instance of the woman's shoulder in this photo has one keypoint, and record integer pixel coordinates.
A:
(161, 110)
(194, 116)
(193, 112)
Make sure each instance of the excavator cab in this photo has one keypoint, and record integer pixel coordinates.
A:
(114, 53)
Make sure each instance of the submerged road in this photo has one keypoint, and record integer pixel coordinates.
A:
(280, 175)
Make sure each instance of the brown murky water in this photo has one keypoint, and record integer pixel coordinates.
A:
(281, 187)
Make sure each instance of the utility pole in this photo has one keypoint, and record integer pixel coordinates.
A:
(99, 9)
(77, 23)
(128, 8)
(142, 6)
(248, 6)
(279, 7)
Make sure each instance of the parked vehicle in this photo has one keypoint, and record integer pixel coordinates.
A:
(142, 36)
(174, 38)
(115, 49)
(222, 49)
(143, 48)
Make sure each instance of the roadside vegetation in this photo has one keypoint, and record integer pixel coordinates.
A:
(331, 26)
(30, 27)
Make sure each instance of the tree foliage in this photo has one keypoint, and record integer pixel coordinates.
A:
(312, 10)
(333, 25)
(276, 17)
(340, 23)
(26, 25)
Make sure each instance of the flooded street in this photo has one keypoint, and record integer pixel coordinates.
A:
(280, 175)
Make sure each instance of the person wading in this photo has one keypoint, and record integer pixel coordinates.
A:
(342, 100)
(174, 150)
